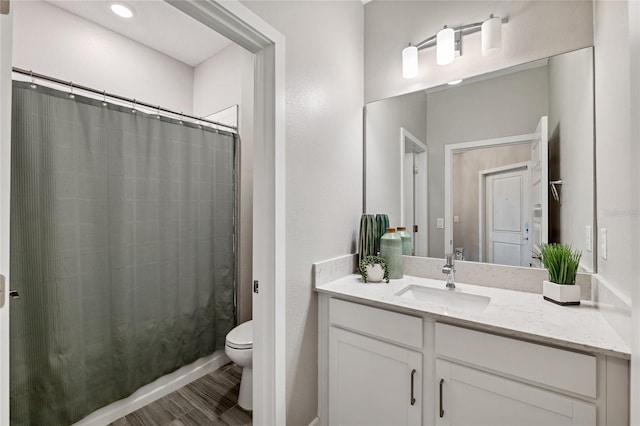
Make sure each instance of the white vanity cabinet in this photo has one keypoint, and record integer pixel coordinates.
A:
(375, 371)
(469, 397)
(369, 355)
(487, 379)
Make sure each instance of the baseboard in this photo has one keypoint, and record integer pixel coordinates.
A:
(315, 422)
(156, 390)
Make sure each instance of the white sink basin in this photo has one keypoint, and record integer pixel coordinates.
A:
(448, 299)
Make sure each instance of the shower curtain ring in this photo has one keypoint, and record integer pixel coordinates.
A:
(33, 81)
(133, 107)
(158, 112)
(104, 98)
(71, 95)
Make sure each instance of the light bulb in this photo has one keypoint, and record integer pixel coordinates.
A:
(445, 46)
(410, 62)
(491, 35)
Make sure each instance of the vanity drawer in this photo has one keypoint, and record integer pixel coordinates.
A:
(386, 325)
(562, 369)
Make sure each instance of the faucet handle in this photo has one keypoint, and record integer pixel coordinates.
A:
(449, 257)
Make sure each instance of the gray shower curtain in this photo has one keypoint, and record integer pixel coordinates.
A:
(122, 250)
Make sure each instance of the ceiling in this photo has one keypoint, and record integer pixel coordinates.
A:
(155, 24)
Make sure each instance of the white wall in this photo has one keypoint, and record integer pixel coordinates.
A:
(324, 99)
(217, 81)
(571, 124)
(52, 41)
(536, 29)
(221, 81)
(616, 40)
(615, 209)
(383, 123)
(633, 161)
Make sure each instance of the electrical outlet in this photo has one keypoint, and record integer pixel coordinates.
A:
(587, 242)
(440, 223)
(456, 219)
(603, 243)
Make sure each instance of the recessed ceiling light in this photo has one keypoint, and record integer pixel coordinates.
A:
(121, 10)
(454, 82)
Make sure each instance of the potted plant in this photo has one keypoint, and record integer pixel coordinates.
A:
(562, 263)
(374, 269)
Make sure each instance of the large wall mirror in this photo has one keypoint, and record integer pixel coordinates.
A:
(492, 166)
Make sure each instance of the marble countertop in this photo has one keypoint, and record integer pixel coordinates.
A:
(513, 313)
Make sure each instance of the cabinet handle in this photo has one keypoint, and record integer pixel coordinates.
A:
(441, 409)
(413, 400)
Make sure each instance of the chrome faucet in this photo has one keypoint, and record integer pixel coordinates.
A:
(450, 269)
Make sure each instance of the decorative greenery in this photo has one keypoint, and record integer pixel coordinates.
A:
(561, 262)
(373, 260)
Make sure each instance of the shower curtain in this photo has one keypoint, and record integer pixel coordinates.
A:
(122, 250)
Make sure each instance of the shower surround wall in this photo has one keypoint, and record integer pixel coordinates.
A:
(54, 42)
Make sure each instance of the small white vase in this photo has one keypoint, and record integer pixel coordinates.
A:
(375, 273)
(561, 294)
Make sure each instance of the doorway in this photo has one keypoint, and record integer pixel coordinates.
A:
(243, 27)
(413, 182)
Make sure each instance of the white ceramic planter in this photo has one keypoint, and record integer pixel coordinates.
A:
(375, 273)
(561, 294)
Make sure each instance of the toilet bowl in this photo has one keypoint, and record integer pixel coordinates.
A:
(239, 348)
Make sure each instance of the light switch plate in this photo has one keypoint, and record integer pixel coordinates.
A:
(587, 242)
(456, 219)
(603, 243)
(440, 223)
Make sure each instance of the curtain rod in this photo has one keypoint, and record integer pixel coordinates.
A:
(118, 97)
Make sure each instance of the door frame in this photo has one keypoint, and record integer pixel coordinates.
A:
(482, 201)
(456, 148)
(6, 39)
(239, 24)
(404, 135)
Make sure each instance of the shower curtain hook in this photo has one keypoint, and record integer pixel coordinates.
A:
(158, 112)
(104, 98)
(33, 81)
(180, 119)
(133, 107)
(71, 95)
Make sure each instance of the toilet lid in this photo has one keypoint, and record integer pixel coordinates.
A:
(241, 337)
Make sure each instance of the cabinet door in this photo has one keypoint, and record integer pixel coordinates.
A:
(372, 382)
(466, 396)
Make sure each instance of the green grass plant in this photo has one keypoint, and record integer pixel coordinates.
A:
(561, 261)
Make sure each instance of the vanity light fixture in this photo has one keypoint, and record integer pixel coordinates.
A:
(121, 10)
(448, 42)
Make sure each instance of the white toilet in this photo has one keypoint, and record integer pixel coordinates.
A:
(239, 347)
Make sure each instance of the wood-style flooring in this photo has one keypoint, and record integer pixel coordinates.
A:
(210, 400)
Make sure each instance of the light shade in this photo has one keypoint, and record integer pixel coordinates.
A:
(445, 46)
(491, 35)
(410, 62)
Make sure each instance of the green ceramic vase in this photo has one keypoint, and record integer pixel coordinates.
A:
(391, 252)
(407, 248)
